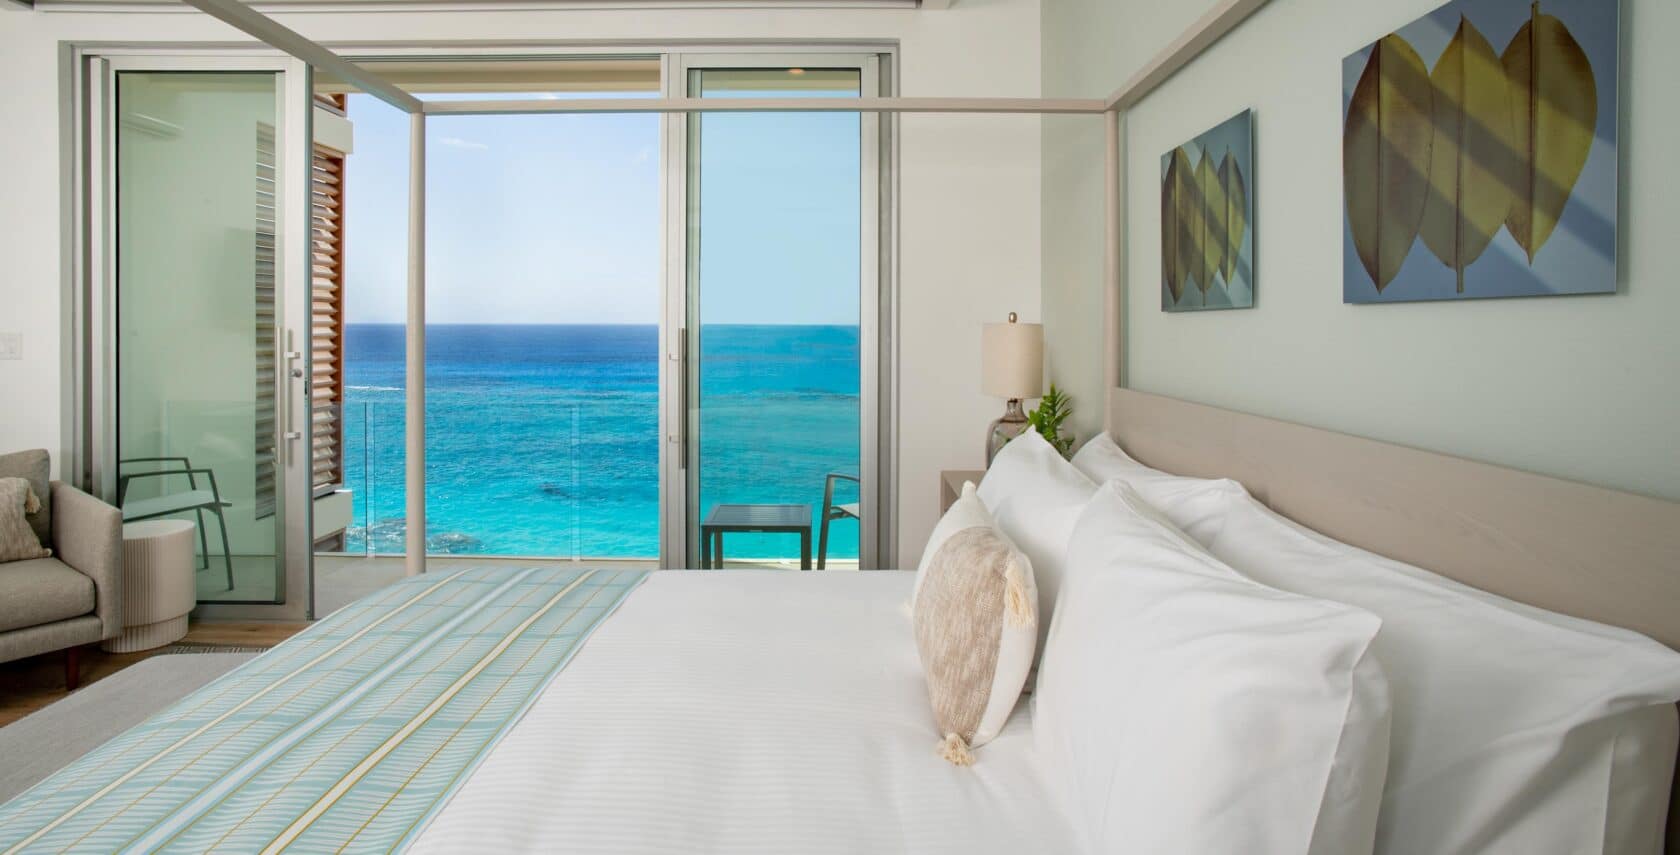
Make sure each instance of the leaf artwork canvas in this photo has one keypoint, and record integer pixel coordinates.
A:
(1207, 220)
(1479, 154)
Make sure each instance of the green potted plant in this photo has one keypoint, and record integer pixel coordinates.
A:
(1047, 418)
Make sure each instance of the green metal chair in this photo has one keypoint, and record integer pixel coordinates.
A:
(832, 512)
(193, 499)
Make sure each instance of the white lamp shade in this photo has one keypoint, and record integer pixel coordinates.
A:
(1012, 360)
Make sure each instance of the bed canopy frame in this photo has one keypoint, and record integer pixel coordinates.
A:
(1224, 17)
(1596, 553)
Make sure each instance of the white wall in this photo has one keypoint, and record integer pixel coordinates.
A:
(1580, 387)
(969, 193)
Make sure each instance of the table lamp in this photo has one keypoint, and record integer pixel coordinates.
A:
(1011, 367)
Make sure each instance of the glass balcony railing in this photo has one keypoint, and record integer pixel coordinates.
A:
(579, 480)
(505, 480)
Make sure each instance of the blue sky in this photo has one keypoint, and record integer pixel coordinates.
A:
(555, 219)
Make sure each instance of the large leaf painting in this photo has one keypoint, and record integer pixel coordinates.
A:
(1449, 140)
(1554, 99)
(1472, 160)
(1386, 152)
(1207, 212)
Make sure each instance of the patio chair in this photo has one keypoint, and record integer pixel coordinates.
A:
(193, 499)
(832, 512)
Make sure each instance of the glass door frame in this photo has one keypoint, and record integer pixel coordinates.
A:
(93, 272)
(89, 229)
(877, 465)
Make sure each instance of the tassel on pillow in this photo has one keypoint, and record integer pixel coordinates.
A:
(17, 540)
(1021, 611)
(954, 749)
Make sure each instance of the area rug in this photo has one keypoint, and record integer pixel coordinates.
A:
(48, 739)
(190, 647)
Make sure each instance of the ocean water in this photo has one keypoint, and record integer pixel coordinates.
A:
(544, 440)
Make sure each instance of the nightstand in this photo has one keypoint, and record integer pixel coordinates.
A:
(951, 484)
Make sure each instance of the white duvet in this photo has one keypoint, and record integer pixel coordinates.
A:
(746, 711)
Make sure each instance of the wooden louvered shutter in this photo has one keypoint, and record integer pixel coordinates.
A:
(265, 321)
(327, 319)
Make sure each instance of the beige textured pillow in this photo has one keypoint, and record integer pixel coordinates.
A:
(976, 624)
(34, 466)
(17, 539)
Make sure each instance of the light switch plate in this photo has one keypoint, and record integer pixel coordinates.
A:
(11, 345)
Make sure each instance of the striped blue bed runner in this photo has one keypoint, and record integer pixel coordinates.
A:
(348, 737)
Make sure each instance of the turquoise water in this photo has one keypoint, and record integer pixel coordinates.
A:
(543, 440)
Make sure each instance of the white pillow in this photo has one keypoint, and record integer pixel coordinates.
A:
(1515, 729)
(1190, 710)
(1198, 509)
(1103, 460)
(1035, 496)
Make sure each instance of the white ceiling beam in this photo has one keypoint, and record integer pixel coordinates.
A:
(271, 31)
(937, 4)
(21, 5)
(1221, 19)
(1090, 106)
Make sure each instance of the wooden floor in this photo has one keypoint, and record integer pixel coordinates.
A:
(26, 685)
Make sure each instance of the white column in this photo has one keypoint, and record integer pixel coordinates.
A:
(414, 438)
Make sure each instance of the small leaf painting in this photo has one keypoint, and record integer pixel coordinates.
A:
(1236, 214)
(1207, 217)
(1474, 170)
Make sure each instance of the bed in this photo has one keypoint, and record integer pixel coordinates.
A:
(565, 709)
(738, 711)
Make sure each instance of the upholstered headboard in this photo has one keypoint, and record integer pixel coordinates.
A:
(1586, 551)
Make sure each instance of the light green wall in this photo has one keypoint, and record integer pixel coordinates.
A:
(1580, 387)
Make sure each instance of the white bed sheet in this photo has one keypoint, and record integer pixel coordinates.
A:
(748, 711)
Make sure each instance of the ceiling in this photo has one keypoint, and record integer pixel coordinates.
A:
(283, 5)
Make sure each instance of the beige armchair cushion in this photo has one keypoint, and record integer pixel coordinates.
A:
(87, 535)
(18, 502)
(42, 591)
(35, 467)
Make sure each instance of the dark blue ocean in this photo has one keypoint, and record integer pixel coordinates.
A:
(544, 440)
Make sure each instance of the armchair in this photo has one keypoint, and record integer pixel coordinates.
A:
(73, 598)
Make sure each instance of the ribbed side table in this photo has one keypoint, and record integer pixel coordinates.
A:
(158, 584)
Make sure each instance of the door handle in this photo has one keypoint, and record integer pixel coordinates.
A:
(284, 405)
(682, 398)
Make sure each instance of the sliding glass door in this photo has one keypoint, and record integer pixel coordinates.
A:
(202, 323)
(780, 284)
(202, 401)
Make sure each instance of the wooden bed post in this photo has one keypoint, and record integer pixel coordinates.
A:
(414, 432)
(1114, 296)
